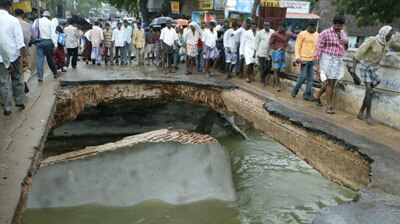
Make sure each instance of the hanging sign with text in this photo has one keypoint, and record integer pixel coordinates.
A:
(175, 7)
(205, 4)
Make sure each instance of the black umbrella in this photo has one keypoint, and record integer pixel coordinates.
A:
(161, 20)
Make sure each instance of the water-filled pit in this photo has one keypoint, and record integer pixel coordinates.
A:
(272, 184)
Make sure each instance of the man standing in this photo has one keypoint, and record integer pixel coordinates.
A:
(108, 45)
(45, 44)
(118, 40)
(169, 37)
(369, 55)
(240, 33)
(96, 37)
(13, 39)
(150, 45)
(306, 45)
(139, 42)
(200, 58)
(27, 30)
(331, 47)
(260, 50)
(71, 43)
(210, 51)
(278, 42)
(191, 38)
(231, 44)
(126, 55)
(247, 49)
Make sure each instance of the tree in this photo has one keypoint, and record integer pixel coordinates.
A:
(369, 12)
(253, 10)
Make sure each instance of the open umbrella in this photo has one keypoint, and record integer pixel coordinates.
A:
(161, 20)
(182, 22)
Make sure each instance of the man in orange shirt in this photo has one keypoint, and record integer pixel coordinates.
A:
(306, 45)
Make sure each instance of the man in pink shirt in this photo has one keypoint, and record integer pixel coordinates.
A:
(332, 45)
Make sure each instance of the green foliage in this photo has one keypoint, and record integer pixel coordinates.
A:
(369, 12)
(127, 5)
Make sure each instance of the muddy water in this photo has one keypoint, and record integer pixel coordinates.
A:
(273, 185)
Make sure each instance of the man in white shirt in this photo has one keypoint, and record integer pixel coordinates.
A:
(246, 50)
(96, 37)
(127, 50)
(191, 38)
(243, 28)
(231, 44)
(72, 43)
(260, 50)
(210, 51)
(46, 43)
(13, 42)
(118, 40)
(168, 38)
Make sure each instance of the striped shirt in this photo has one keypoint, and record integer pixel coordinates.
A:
(328, 43)
(107, 38)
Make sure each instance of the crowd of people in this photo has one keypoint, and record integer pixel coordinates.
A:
(227, 47)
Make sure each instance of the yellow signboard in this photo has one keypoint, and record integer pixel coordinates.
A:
(175, 7)
(205, 5)
(26, 6)
(270, 3)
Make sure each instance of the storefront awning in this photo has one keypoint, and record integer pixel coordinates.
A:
(293, 15)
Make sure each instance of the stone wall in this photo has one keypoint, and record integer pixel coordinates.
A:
(348, 97)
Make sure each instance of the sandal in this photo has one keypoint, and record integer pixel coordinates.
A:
(317, 101)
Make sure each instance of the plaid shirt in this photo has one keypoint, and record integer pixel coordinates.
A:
(328, 43)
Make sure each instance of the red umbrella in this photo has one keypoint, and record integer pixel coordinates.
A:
(182, 22)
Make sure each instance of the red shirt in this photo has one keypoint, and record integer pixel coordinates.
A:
(280, 40)
(328, 43)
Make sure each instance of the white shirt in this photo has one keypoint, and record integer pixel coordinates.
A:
(12, 35)
(261, 42)
(240, 32)
(247, 44)
(46, 30)
(128, 33)
(210, 38)
(3, 51)
(190, 38)
(231, 39)
(118, 37)
(168, 36)
(72, 33)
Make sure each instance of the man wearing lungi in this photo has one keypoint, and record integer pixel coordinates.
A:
(231, 45)
(210, 51)
(191, 38)
(369, 55)
(331, 47)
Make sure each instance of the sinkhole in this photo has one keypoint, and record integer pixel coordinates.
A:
(162, 161)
